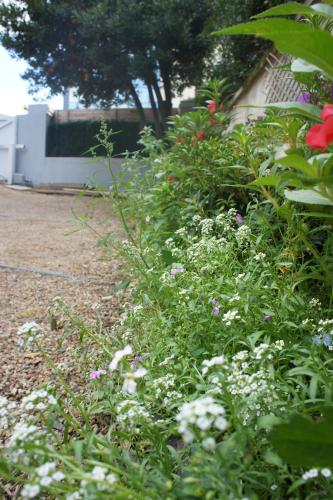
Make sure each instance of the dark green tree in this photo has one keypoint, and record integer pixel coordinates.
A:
(103, 47)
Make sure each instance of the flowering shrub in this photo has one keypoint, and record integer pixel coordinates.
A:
(223, 349)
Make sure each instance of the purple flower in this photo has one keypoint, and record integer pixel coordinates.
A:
(266, 317)
(331, 91)
(216, 311)
(239, 219)
(213, 302)
(176, 270)
(327, 340)
(316, 340)
(136, 359)
(304, 98)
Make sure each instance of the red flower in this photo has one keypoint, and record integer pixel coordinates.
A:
(170, 179)
(180, 139)
(321, 135)
(212, 122)
(327, 111)
(212, 106)
(200, 135)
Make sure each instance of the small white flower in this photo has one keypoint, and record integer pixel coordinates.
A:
(58, 476)
(30, 491)
(209, 443)
(326, 472)
(46, 481)
(129, 386)
(310, 474)
(99, 473)
(119, 356)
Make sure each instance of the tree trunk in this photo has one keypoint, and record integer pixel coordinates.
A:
(138, 105)
(167, 88)
(157, 122)
(161, 103)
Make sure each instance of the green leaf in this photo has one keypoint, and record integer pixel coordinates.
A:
(297, 162)
(289, 9)
(307, 110)
(290, 37)
(304, 442)
(295, 8)
(307, 196)
(320, 215)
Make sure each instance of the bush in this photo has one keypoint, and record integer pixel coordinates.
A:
(75, 138)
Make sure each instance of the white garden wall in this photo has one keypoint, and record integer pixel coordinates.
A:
(23, 147)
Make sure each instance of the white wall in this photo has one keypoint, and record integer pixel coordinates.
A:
(253, 95)
(7, 147)
(39, 169)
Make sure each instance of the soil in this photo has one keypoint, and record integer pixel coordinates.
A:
(46, 252)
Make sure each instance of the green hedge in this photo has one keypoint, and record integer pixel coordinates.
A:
(75, 138)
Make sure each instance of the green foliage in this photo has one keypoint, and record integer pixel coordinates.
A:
(304, 442)
(76, 138)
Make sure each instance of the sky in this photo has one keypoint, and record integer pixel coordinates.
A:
(14, 95)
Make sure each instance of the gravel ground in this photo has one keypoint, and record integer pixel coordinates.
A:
(40, 232)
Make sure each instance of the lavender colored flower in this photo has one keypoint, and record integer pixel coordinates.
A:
(316, 340)
(176, 270)
(213, 302)
(327, 340)
(216, 311)
(239, 219)
(304, 98)
(266, 317)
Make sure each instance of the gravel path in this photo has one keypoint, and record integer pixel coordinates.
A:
(44, 252)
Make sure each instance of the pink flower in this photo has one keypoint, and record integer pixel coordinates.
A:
(96, 374)
(176, 270)
(212, 106)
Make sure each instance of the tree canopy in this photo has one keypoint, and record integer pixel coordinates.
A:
(103, 47)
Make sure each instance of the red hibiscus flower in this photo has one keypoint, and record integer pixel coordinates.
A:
(200, 135)
(321, 135)
(327, 111)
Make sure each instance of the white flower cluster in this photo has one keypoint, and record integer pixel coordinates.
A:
(315, 303)
(22, 433)
(167, 360)
(164, 389)
(245, 380)
(230, 316)
(313, 473)
(131, 414)
(243, 235)
(202, 415)
(101, 474)
(6, 410)
(325, 326)
(206, 226)
(260, 256)
(48, 474)
(38, 400)
(28, 334)
(208, 363)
